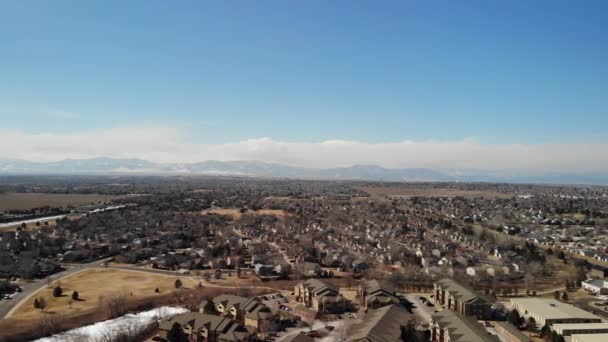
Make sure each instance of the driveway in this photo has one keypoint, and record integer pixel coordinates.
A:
(419, 309)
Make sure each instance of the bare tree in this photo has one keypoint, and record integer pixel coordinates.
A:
(42, 304)
(51, 324)
(116, 305)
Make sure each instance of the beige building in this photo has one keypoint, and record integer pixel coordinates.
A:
(460, 298)
(551, 311)
(588, 338)
(198, 327)
(249, 311)
(447, 326)
(319, 295)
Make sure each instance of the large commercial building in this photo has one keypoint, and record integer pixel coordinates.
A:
(373, 295)
(320, 296)
(551, 311)
(566, 329)
(249, 311)
(462, 299)
(588, 338)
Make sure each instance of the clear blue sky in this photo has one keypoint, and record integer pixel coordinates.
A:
(374, 71)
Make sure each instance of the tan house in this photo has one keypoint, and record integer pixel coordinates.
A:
(249, 311)
(460, 298)
(198, 327)
(373, 295)
(448, 326)
(319, 295)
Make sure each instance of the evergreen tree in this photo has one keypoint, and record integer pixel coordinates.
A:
(514, 318)
(531, 324)
(209, 308)
(175, 334)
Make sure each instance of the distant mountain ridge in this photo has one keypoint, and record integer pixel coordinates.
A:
(253, 168)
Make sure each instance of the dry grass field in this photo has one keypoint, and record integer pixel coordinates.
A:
(236, 213)
(24, 201)
(95, 283)
(414, 192)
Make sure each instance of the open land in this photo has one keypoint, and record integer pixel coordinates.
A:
(95, 284)
(25, 201)
(439, 192)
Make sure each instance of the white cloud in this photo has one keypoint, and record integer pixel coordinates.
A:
(165, 144)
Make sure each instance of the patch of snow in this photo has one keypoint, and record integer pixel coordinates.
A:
(101, 330)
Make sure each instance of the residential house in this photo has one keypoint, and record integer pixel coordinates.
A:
(249, 311)
(551, 311)
(462, 299)
(320, 296)
(598, 286)
(373, 294)
(199, 327)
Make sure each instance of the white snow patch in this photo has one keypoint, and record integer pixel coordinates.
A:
(100, 330)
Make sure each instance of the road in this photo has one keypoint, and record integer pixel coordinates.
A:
(6, 306)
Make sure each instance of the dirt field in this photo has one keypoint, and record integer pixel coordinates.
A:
(93, 284)
(413, 192)
(236, 213)
(23, 201)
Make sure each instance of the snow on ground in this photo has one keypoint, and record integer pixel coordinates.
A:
(101, 330)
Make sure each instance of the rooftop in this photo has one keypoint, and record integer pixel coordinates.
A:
(381, 325)
(589, 338)
(552, 309)
(463, 329)
(578, 326)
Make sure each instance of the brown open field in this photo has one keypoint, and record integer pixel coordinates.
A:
(95, 283)
(17, 329)
(23, 201)
(236, 213)
(414, 192)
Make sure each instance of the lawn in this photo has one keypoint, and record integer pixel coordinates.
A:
(98, 283)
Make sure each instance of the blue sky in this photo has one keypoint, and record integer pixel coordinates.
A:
(498, 72)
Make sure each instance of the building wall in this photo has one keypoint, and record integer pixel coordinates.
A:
(505, 334)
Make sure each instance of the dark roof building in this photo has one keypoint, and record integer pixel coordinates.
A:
(449, 326)
(204, 327)
(381, 325)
